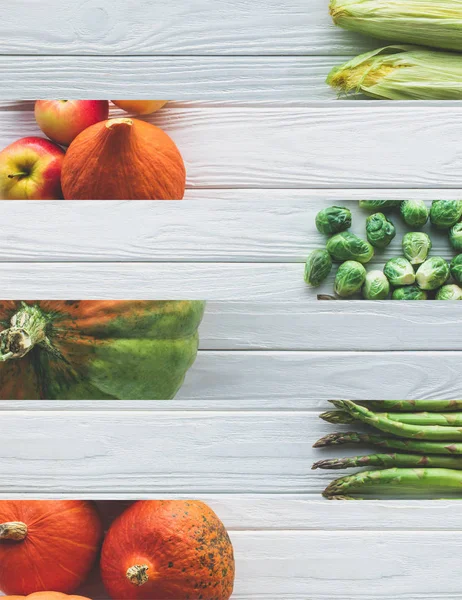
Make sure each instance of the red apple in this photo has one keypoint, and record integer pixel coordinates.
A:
(30, 169)
(63, 120)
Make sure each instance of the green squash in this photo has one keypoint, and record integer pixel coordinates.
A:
(92, 349)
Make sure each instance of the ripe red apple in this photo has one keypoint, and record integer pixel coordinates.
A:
(140, 107)
(63, 120)
(30, 169)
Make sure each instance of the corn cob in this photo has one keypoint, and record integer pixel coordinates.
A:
(436, 23)
(401, 73)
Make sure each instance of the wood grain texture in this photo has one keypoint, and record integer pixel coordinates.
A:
(257, 381)
(204, 27)
(275, 226)
(211, 79)
(331, 146)
(107, 452)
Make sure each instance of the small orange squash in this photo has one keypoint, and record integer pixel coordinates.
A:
(47, 545)
(140, 107)
(45, 596)
(123, 159)
(168, 550)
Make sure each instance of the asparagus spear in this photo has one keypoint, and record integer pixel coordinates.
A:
(419, 432)
(338, 417)
(453, 419)
(390, 460)
(429, 480)
(414, 405)
(383, 441)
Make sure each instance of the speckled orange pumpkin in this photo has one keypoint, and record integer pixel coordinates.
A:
(46, 596)
(168, 550)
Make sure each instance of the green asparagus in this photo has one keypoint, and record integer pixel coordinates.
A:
(414, 405)
(338, 417)
(390, 460)
(452, 419)
(431, 481)
(388, 442)
(419, 432)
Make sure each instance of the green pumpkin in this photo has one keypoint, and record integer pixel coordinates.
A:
(92, 349)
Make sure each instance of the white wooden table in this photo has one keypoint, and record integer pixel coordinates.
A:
(266, 145)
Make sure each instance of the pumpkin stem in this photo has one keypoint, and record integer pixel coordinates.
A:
(116, 123)
(15, 530)
(28, 328)
(138, 574)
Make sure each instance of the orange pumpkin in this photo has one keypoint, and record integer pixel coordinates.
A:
(123, 159)
(46, 596)
(168, 550)
(47, 544)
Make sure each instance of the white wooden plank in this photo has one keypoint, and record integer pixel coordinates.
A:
(289, 512)
(211, 79)
(202, 27)
(317, 326)
(126, 452)
(163, 452)
(210, 281)
(310, 147)
(222, 229)
(293, 380)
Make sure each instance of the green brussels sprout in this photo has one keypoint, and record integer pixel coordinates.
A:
(416, 246)
(445, 213)
(379, 205)
(347, 246)
(409, 292)
(432, 274)
(376, 286)
(379, 230)
(333, 220)
(317, 267)
(349, 279)
(399, 271)
(415, 213)
(455, 236)
(456, 268)
(449, 292)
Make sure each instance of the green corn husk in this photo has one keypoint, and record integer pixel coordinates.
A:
(436, 23)
(401, 73)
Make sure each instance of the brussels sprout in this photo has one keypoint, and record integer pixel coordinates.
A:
(349, 279)
(415, 213)
(379, 205)
(432, 274)
(409, 292)
(456, 268)
(379, 230)
(416, 246)
(317, 267)
(455, 236)
(333, 219)
(445, 213)
(399, 271)
(376, 286)
(449, 292)
(347, 246)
